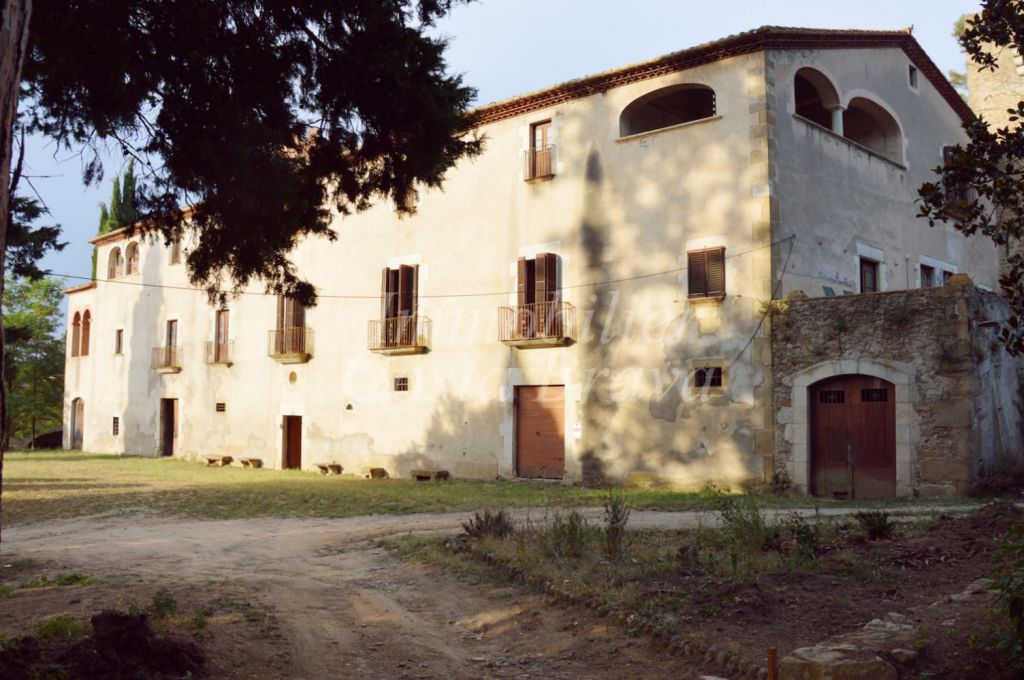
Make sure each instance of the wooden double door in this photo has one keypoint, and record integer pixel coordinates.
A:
(853, 437)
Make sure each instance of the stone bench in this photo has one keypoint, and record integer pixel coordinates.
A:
(217, 461)
(252, 463)
(330, 468)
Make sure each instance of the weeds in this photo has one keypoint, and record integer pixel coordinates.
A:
(744, 522)
(616, 515)
(200, 619)
(61, 580)
(568, 535)
(489, 524)
(62, 626)
(1010, 592)
(875, 523)
(163, 606)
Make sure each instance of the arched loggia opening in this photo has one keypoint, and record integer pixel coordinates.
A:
(816, 98)
(667, 107)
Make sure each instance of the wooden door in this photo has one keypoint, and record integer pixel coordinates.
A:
(168, 427)
(293, 442)
(540, 431)
(853, 437)
(77, 423)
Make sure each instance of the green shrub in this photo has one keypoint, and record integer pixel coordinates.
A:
(163, 605)
(568, 535)
(875, 524)
(489, 524)
(616, 515)
(1010, 593)
(62, 626)
(60, 580)
(743, 521)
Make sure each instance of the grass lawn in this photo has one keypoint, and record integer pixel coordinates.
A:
(49, 485)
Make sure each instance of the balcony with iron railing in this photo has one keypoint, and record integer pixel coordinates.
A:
(167, 359)
(960, 199)
(399, 335)
(290, 345)
(539, 324)
(220, 353)
(540, 163)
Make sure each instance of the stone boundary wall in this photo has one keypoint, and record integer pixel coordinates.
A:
(958, 393)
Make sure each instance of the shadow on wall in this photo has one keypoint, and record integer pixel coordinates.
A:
(140, 418)
(460, 438)
(681, 185)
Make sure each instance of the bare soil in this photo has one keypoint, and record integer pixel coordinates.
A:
(329, 603)
(318, 598)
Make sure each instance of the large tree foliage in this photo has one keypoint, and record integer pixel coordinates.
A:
(35, 357)
(982, 185)
(26, 242)
(265, 117)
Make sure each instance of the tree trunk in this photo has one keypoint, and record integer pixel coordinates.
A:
(14, 18)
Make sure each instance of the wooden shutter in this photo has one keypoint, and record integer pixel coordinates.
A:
(76, 335)
(696, 273)
(280, 313)
(716, 271)
(406, 290)
(521, 282)
(706, 272)
(546, 277)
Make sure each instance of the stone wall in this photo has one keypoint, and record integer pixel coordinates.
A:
(958, 393)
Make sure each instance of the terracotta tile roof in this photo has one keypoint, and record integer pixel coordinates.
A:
(757, 40)
(79, 289)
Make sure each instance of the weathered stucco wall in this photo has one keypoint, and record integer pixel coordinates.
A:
(958, 393)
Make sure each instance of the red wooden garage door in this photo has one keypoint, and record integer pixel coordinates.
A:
(540, 431)
(853, 437)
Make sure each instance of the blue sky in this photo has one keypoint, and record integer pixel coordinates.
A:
(507, 47)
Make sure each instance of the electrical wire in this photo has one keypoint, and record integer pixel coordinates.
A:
(376, 296)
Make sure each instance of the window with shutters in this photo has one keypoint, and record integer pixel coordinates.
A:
(868, 275)
(705, 273)
(538, 296)
(540, 157)
(399, 305)
(291, 332)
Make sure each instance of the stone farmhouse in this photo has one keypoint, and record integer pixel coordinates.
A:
(703, 268)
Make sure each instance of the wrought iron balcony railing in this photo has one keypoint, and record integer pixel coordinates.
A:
(290, 345)
(167, 359)
(540, 163)
(539, 323)
(220, 352)
(399, 335)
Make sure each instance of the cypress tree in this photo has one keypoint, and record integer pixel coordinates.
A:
(128, 214)
(114, 220)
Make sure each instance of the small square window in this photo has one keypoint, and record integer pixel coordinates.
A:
(401, 384)
(115, 427)
(705, 273)
(119, 341)
(707, 376)
(913, 76)
(221, 407)
(946, 276)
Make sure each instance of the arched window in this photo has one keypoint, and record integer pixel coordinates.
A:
(870, 125)
(114, 263)
(131, 256)
(666, 107)
(86, 323)
(815, 97)
(76, 334)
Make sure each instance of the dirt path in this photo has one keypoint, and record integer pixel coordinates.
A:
(348, 609)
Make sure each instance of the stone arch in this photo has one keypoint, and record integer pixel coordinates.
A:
(797, 432)
(667, 107)
(873, 125)
(114, 263)
(131, 256)
(815, 97)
